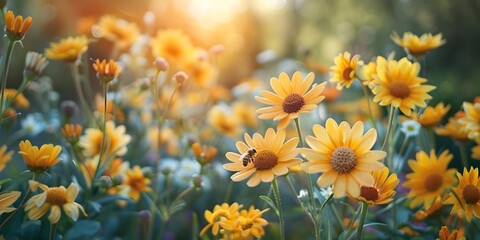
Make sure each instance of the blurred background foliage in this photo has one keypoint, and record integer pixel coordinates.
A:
(288, 28)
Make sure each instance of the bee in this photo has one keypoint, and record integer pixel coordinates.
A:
(248, 156)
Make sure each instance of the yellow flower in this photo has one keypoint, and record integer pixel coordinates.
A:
(421, 214)
(6, 200)
(5, 156)
(173, 45)
(53, 198)
(204, 154)
(16, 27)
(344, 157)
(201, 73)
(116, 141)
(71, 132)
(290, 98)
(430, 178)
(220, 213)
(114, 111)
(345, 70)
(222, 119)
(472, 119)
(106, 71)
(273, 156)
(465, 197)
(39, 160)
(418, 46)
(249, 224)
(455, 128)
(383, 189)
(20, 101)
(136, 183)
(397, 84)
(445, 234)
(367, 73)
(118, 31)
(432, 116)
(68, 49)
(245, 112)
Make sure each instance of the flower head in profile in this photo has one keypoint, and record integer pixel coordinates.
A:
(116, 140)
(136, 183)
(430, 178)
(290, 98)
(432, 116)
(263, 158)
(5, 156)
(397, 84)
(20, 101)
(367, 72)
(456, 234)
(16, 27)
(39, 159)
(106, 71)
(71, 132)
(455, 128)
(418, 46)
(6, 201)
(465, 197)
(383, 189)
(410, 128)
(344, 157)
(53, 198)
(203, 153)
(173, 45)
(344, 72)
(118, 31)
(68, 49)
(35, 63)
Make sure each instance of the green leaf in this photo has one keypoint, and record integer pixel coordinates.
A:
(270, 203)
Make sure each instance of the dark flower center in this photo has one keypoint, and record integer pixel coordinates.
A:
(399, 90)
(471, 194)
(265, 160)
(369, 193)
(293, 103)
(346, 73)
(343, 160)
(433, 182)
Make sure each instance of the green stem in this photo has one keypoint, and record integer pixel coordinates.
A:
(431, 136)
(19, 90)
(370, 112)
(104, 129)
(362, 220)
(87, 113)
(279, 206)
(463, 154)
(389, 126)
(299, 131)
(22, 203)
(5, 67)
(53, 227)
(404, 145)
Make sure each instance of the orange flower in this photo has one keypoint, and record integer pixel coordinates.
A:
(136, 183)
(432, 116)
(71, 132)
(39, 159)
(106, 72)
(445, 234)
(16, 27)
(204, 154)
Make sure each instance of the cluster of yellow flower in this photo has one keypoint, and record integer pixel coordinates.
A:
(233, 222)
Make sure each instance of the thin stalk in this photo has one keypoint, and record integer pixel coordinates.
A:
(53, 227)
(431, 137)
(389, 126)
(362, 220)
(404, 145)
(370, 112)
(20, 90)
(104, 129)
(22, 203)
(87, 113)
(4, 73)
(279, 206)
(309, 179)
(463, 154)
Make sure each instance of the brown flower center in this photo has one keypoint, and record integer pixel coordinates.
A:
(346, 73)
(399, 90)
(265, 160)
(293, 103)
(471, 194)
(343, 160)
(369, 193)
(433, 182)
(56, 196)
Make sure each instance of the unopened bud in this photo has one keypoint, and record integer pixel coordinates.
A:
(105, 182)
(197, 180)
(180, 78)
(69, 108)
(161, 64)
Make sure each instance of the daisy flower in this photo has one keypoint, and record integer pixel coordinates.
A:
(465, 197)
(418, 46)
(344, 72)
(290, 98)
